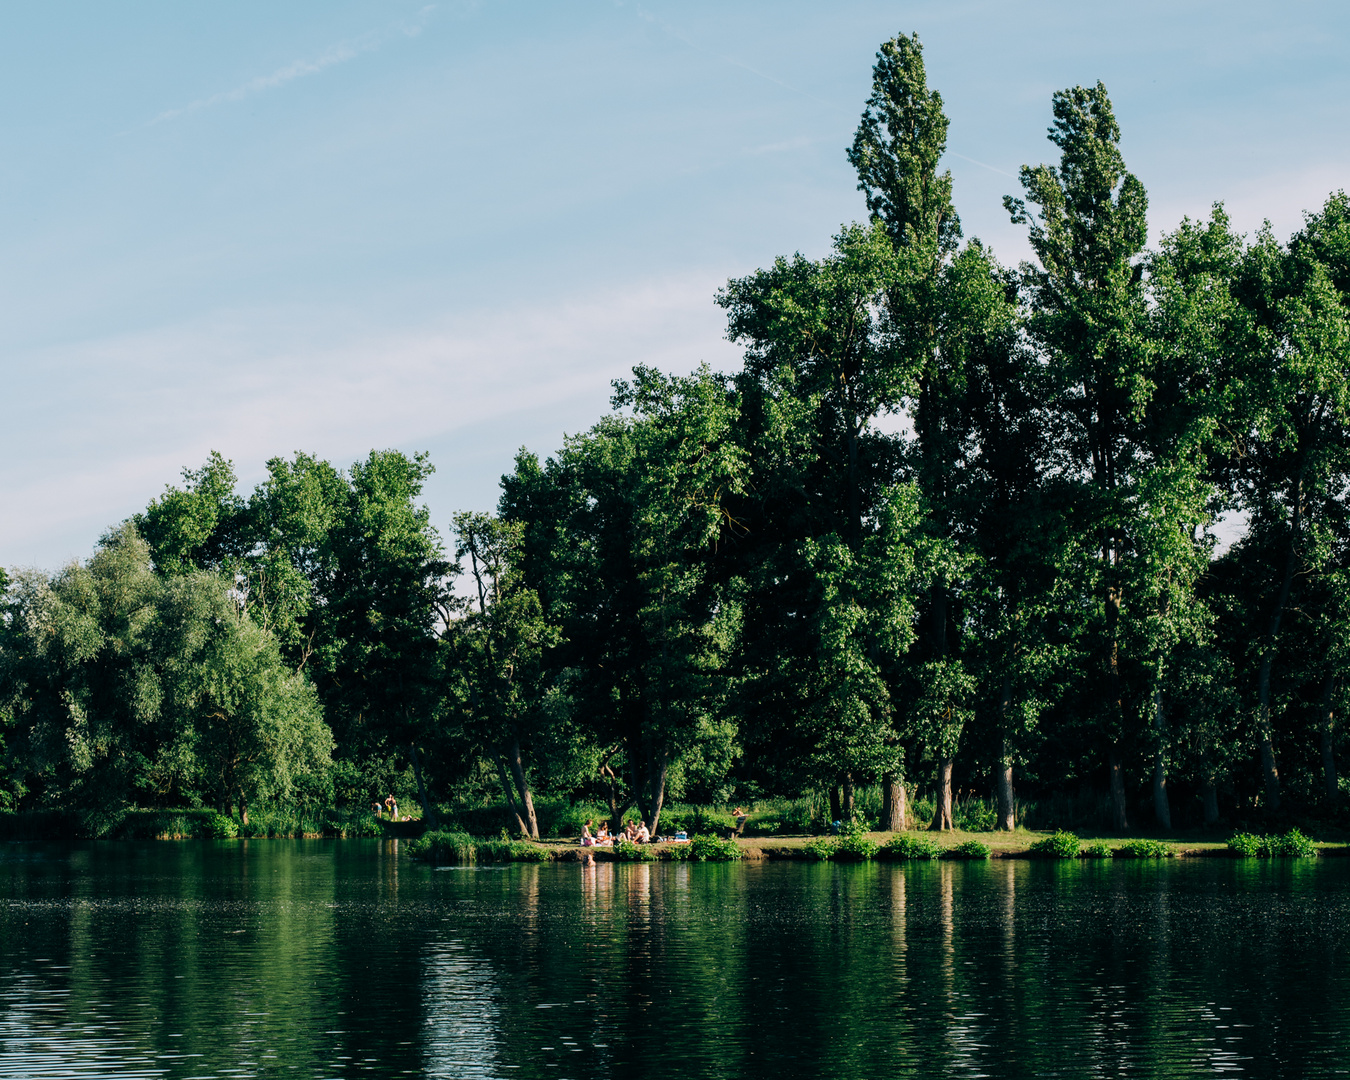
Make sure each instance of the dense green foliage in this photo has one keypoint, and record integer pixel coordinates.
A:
(1143, 849)
(968, 849)
(952, 526)
(854, 846)
(711, 849)
(1293, 843)
(1058, 845)
(904, 848)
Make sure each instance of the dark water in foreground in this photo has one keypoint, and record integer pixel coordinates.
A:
(337, 958)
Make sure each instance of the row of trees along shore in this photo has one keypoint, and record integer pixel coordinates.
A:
(951, 522)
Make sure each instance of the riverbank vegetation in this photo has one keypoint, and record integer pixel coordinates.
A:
(855, 845)
(1069, 538)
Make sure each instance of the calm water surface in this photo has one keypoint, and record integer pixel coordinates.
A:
(339, 958)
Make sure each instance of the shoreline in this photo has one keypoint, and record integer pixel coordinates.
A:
(180, 825)
(951, 846)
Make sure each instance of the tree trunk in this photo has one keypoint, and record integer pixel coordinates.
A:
(894, 811)
(243, 808)
(660, 766)
(1113, 765)
(847, 806)
(1003, 777)
(428, 811)
(617, 807)
(942, 802)
(1117, 776)
(1270, 773)
(835, 812)
(523, 787)
(521, 827)
(1269, 770)
(638, 783)
(1162, 808)
(1328, 736)
(1209, 796)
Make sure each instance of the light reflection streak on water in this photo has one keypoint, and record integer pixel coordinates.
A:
(38, 1037)
(462, 1017)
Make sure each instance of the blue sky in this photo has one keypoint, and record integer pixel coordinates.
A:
(262, 227)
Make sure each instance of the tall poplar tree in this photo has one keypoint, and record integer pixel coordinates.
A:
(946, 311)
(1088, 306)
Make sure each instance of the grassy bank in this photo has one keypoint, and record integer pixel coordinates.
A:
(859, 846)
(766, 837)
(457, 848)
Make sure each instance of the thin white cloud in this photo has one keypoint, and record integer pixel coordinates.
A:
(264, 382)
(982, 165)
(299, 69)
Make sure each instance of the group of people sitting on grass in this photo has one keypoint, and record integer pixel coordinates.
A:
(634, 832)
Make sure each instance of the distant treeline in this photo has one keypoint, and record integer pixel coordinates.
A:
(952, 525)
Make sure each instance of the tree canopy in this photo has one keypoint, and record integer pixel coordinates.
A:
(1074, 530)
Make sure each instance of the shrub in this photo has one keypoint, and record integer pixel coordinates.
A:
(819, 849)
(521, 851)
(214, 825)
(1247, 845)
(855, 846)
(510, 851)
(903, 848)
(968, 849)
(1058, 845)
(1292, 844)
(675, 853)
(494, 850)
(1144, 849)
(443, 847)
(974, 815)
(1098, 850)
(626, 852)
(713, 849)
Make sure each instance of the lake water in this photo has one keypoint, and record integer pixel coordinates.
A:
(339, 958)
